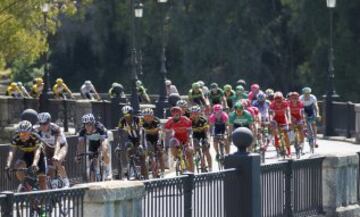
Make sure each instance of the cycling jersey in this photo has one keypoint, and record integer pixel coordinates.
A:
(263, 109)
(309, 105)
(216, 97)
(94, 138)
(29, 147)
(254, 111)
(87, 89)
(14, 92)
(180, 127)
(244, 120)
(279, 111)
(60, 89)
(154, 124)
(238, 97)
(36, 90)
(50, 137)
(132, 127)
(197, 97)
(295, 110)
(229, 95)
(198, 127)
(219, 121)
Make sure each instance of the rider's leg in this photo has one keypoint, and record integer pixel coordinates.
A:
(58, 160)
(314, 133)
(144, 168)
(287, 141)
(105, 150)
(206, 148)
(20, 175)
(189, 158)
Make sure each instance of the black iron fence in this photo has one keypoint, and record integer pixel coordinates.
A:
(292, 188)
(59, 203)
(186, 196)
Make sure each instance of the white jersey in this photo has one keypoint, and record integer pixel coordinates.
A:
(50, 136)
(309, 104)
(87, 89)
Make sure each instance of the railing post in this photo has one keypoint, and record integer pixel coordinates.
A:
(188, 191)
(349, 111)
(289, 189)
(66, 124)
(7, 208)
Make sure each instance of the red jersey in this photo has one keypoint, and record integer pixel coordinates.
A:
(295, 109)
(180, 128)
(254, 111)
(279, 111)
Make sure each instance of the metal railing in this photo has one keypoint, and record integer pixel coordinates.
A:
(292, 188)
(186, 196)
(59, 203)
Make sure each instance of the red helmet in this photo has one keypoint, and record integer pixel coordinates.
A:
(217, 108)
(278, 95)
(175, 110)
(294, 95)
(245, 102)
(254, 87)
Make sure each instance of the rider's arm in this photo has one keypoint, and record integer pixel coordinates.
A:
(68, 90)
(288, 115)
(60, 152)
(11, 154)
(37, 156)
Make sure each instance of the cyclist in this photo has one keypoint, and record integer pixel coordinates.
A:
(143, 96)
(55, 147)
(254, 111)
(269, 94)
(297, 114)
(263, 106)
(170, 88)
(216, 95)
(229, 93)
(23, 90)
(196, 95)
(311, 109)
(29, 143)
(151, 125)
(218, 119)
(254, 90)
(240, 118)
(184, 107)
(204, 89)
(60, 89)
(280, 119)
(14, 91)
(88, 91)
(181, 127)
(117, 91)
(131, 124)
(93, 137)
(200, 129)
(239, 94)
(37, 88)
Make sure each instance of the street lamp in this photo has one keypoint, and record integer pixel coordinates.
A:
(162, 102)
(136, 11)
(331, 93)
(44, 96)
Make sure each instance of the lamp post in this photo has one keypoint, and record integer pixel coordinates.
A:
(162, 102)
(136, 12)
(44, 96)
(331, 93)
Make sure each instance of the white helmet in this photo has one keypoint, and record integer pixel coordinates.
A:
(167, 82)
(44, 117)
(88, 118)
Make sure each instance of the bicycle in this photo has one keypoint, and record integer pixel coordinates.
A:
(95, 171)
(297, 144)
(221, 141)
(180, 163)
(154, 154)
(282, 148)
(199, 158)
(310, 133)
(264, 139)
(133, 170)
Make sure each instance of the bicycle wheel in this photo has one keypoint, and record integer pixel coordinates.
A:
(221, 155)
(310, 137)
(282, 150)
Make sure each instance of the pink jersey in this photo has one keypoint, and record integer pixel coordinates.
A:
(219, 117)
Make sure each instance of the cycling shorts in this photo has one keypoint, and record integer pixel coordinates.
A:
(28, 157)
(219, 129)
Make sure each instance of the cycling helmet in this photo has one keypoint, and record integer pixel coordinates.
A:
(241, 82)
(238, 106)
(217, 108)
(175, 110)
(24, 126)
(254, 87)
(44, 117)
(127, 110)
(261, 96)
(240, 88)
(306, 90)
(167, 82)
(138, 83)
(38, 80)
(201, 83)
(88, 118)
(245, 102)
(59, 81)
(195, 109)
(87, 82)
(278, 95)
(148, 111)
(181, 103)
(19, 83)
(115, 84)
(294, 95)
(214, 85)
(13, 85)
(195, 86)
(227, 87)
(269, 91)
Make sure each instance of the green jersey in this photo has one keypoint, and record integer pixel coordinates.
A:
(216, 98)
(238, 97)
(243, 120)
